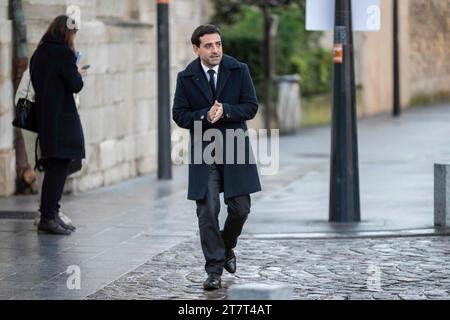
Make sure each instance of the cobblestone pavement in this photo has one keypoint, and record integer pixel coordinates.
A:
(382, 268)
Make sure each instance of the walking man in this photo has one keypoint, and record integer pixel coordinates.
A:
(216, 92)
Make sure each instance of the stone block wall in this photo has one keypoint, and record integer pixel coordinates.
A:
(429, 52)
(118, 105)
(424, 30)
(7, 153)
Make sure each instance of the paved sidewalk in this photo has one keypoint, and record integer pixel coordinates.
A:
(396, 158)
(394, 268)
(122, 227)
(118, 229)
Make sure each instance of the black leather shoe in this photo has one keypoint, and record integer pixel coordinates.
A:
(65, 224)
(52, 226)
(230, 261)
(213, 282)
(61, 218)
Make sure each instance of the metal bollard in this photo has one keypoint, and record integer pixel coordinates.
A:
(441, 195)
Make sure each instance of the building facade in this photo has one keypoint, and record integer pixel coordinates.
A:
(118, 105)
(424, 30)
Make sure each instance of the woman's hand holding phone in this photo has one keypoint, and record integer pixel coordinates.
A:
(83, 71)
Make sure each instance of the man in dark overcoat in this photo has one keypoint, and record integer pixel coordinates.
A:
(214, 98)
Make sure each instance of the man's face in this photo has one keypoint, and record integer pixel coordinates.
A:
(210, 50)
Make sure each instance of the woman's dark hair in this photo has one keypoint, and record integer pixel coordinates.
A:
(61, 29)
(201, 31)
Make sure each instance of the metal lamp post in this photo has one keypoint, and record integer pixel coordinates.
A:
(344, 178)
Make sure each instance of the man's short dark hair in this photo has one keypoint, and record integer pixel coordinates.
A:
(201, 31)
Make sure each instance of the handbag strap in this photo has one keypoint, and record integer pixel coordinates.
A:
(29, 82)
(28, 89)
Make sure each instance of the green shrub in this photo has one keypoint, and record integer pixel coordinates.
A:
(315, 70)
(297, 50)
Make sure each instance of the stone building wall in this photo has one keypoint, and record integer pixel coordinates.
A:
(118, 105)
(424, 30)
(429, 54)
(7, 153)
(376, 64)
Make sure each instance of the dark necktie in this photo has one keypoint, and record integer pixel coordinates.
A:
(212, 85)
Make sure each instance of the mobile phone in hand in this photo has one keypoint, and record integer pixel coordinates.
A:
(86, 66)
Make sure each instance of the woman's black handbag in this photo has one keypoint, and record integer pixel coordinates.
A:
(25, 113)
(75, 166)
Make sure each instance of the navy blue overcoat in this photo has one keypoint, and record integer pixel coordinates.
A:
(193, 99)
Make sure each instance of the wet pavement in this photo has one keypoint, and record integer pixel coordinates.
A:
(142, 223)
(338, 269)
(118, 229)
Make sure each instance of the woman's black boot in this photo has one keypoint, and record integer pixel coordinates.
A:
(52, 226)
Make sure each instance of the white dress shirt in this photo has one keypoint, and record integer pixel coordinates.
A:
(206, 69)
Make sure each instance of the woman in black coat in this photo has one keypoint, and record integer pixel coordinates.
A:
(56, 77)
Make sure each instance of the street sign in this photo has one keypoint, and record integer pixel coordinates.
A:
(338, 53)
(320, 15)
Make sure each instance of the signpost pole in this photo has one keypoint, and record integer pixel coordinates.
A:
(344, 178)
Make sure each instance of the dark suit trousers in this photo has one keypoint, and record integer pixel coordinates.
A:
(214, 242)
